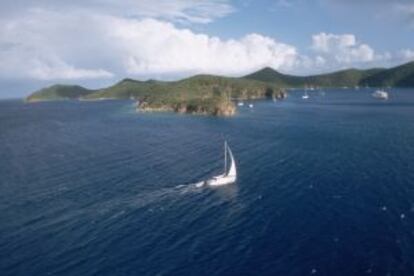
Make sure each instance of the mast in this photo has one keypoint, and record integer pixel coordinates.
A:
(225, 157)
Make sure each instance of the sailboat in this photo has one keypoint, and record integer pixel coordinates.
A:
(380, 94)
(230, 174)
(305, 96)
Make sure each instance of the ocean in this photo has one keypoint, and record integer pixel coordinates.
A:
(325, 187)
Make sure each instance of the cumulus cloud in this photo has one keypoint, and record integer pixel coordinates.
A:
(35, 47)
(406, 55)
(168, 49)
(54, 68)
(338, 51)
(344, 49)
(47, 45)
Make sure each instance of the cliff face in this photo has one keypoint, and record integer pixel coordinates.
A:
(225, 109)
(216, 107)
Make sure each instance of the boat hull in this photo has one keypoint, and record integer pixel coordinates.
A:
(220, 181)
(382, 95)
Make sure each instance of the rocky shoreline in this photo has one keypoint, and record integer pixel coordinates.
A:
(225, 109)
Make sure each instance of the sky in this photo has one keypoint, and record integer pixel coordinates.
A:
(96, 43)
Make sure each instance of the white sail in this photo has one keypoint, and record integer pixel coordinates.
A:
(232, 170)
(229, 176)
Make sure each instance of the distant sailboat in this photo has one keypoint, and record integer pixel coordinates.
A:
(380, 94)
(251, 105)
(230, 175)
(305, 96)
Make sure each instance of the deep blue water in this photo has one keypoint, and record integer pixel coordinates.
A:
(326, 187)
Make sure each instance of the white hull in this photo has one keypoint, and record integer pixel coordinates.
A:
(221, 180)
(380, 95)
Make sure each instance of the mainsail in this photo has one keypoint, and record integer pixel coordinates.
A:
(229, 176)
(232, 171)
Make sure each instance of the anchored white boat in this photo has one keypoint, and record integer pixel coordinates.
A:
(305, 96)
(240, 104)
(380, 94)
(230, 174)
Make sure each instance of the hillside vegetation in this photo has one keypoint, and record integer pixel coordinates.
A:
(400, 76)
(202, 94)
(59, 92)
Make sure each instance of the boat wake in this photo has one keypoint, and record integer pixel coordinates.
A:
(199, 184)
(152, 198)
(170, 193)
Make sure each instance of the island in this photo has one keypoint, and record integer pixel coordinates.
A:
(201, 94)
(217, 95)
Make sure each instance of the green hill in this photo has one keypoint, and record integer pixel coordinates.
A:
(400, 76)
(350, 77)
(59, 92)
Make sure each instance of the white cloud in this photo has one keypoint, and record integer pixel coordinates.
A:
(52, 69)
(168, 49)
(342, 49)
(35, 47)
(406, 55)
(47, 45)
(339, 51)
